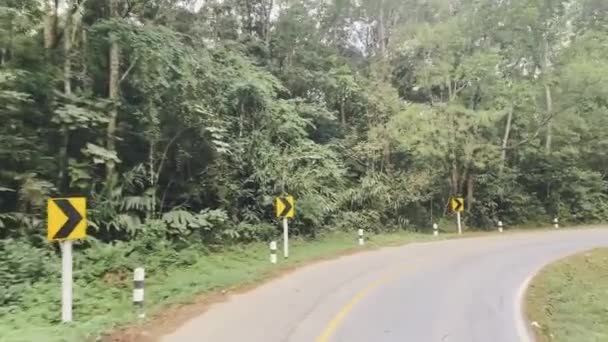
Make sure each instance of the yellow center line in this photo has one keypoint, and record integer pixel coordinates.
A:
(335, 322)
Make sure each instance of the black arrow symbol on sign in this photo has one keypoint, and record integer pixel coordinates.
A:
(287, 207)
(73, 216)
(458, 204)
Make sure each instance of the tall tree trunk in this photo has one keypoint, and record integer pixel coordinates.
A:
(387, 155)
(342, 113)
(249, 18)
(549, 101)
(464, 176)
(505, 139)
(548, 97)
(67, 90)
(114, 57)
(153, 179)
(241, 119)
(50, 23)
(267, 13)
(455, 171)
(455, 177)
(381, 30)
(470, 194)
(86, 80)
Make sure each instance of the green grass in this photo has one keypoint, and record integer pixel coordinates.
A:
(569, 299)
(103, 306)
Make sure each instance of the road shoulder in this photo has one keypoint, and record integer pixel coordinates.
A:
(566, 300)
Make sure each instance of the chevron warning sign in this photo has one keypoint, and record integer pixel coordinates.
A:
(285, 207)
(457, 204)
(66, 218)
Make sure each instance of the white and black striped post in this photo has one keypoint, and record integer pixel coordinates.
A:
(273, 252)
(556, 223)
(138, 291)
(500, 225)
(361, 240)
(435, 229)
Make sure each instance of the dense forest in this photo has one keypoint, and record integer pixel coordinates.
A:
(180, 121)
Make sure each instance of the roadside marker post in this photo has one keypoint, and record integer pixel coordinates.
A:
(285, 209)
(435, 229)
(500, 226)
(273, 252)
(556, 223)
(361, 240)
(66, 222)
(138, 291)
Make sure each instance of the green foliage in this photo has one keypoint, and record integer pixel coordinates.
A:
(370, 113)
(20, 268)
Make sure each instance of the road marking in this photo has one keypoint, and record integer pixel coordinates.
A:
(525, 335)
(335, 322)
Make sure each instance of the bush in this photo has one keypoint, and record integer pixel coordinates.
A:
(352, 220)
(248, 232)
(22, 265)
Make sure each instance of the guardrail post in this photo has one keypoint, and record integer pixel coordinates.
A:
(138, 291)
(273, 252)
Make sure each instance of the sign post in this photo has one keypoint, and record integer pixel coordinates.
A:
(66, 281)
(285, 209)
(458, 207)
(66, 222)
(285, 238)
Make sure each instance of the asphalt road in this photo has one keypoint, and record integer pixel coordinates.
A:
(466, 290)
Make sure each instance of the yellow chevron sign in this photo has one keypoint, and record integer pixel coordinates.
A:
(285, 207)
(457, 204)
(67, 218)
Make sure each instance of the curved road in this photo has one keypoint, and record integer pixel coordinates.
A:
(465, 290)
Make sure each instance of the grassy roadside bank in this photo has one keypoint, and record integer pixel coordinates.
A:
(569, 299)
(102, 306)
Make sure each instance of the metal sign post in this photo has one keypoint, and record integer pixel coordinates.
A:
(66, 281)
(285, 238)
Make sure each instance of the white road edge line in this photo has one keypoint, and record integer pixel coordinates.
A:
(523, 328)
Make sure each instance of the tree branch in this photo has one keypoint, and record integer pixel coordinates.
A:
(126, 73)
(534, 136)
(459, 89)
(130, 6)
